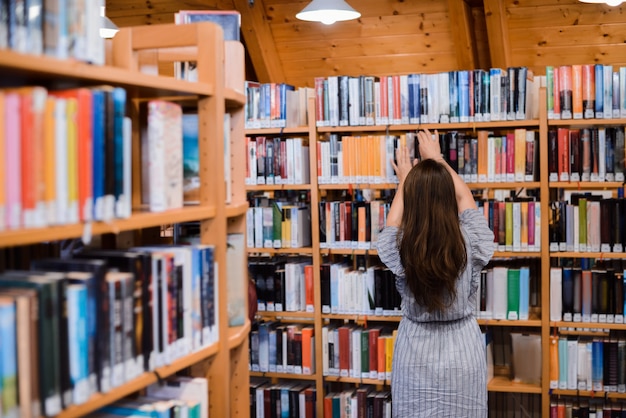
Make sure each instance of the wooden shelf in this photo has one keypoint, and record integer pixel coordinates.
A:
(432, 126)
(303, 130)
(584, 185)
(271, 187)
(510, 323)
(291, 316)
(234, 99)
(348, 251)
(589, 393)
(54, 73)
(348, 186)
(363, 318)
(236, 209)
(575, 254)
(518, 254)
(585, 122)
(237, 335)
(303, 250)
(504, 384)
(115, 226)
(359, 380)
(99, 400)
(588, 325)
(283, 375)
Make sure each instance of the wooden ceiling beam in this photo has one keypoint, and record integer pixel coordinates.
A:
(259, 42)
(497, 33)
(461, 22)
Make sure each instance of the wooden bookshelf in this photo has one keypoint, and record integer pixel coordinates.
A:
(211, 99)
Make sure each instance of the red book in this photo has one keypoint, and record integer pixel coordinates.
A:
(510, 156)
(563, 163)
(308, 350)
(309, 286)
(319, 100)
(374, 333)
(344, 350)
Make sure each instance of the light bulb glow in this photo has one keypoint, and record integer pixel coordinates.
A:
(328, 12)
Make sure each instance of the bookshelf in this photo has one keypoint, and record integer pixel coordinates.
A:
(212, 98)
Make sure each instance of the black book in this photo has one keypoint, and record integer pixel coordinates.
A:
(607, 240)
(577, 290)
(97, 308)
(279, 287)
(325, 287)
(322, 222)
(575, 155)
(553, 155)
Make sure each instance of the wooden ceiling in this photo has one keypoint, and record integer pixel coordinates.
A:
(407, 36)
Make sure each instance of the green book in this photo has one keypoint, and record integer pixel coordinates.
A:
(513, 294)
(278, 222)
(49, 330)
(365, 353)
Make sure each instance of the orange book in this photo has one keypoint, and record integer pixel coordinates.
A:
(482, 158)
(577, 92)
(361, 226)
(520, 154)
(383, 101)
(397, 104)
(381, 364)
(84, 148)
(32, 106)
(3, 165)
(554, 362)
(308, 350)
(565, 91)
(49, 163)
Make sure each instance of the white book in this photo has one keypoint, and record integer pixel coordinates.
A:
(500, 289)
(556, 279)
(252, 168)
(355, 355)
(123, 206)
(62, 198)
(572, 364)
(192, 389)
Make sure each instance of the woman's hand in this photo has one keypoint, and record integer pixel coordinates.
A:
(404, 163)
(429, 145)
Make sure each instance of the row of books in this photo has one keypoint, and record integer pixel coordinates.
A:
(447, 97)
(590, 364)
(283, 284)
(278, 224)
(351, 224)
(361, 290)
(588, 222)
(353, 351)
(285, 399)
(364, 401)
(586, 154)
(67, 156)
(515, 222)
(594, 295)
(106, 316)
(178, 396)
(275, 347)
(504, 292)
(55, 29)
(593, 408)
(586, 91)
(277, 161)
(276, 105)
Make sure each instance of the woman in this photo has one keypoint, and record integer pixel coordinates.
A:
(436, 242)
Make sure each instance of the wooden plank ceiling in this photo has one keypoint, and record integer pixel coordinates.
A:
(404, 36)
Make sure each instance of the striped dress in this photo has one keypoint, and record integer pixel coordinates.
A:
(439, 364)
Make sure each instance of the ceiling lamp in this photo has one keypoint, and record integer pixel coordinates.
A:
(328, 12)
(612, 3)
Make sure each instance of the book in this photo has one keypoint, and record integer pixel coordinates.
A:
(162, 147)
(191, 165)
(237, 279)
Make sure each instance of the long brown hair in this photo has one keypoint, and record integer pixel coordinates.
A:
(432, 248)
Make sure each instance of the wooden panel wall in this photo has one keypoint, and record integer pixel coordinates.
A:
(402, 36)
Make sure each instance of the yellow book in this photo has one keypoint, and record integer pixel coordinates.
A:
(520, 154)
(72, 159)
(286, 227)
(508, 225)
(554, 362)
(524, 225)
(49, 163)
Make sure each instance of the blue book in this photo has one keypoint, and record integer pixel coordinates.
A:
(599, 78)
(463, 95)
(78, 341)
(99, 150)
(414, 98)
(119, 112)
(8, 358)
(453, 88)
(524, 290)
(191, 165)
(567, 293)
(563, 363)
(597, 365)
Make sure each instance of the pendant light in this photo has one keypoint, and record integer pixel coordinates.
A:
(611, 3)
(328, 12)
